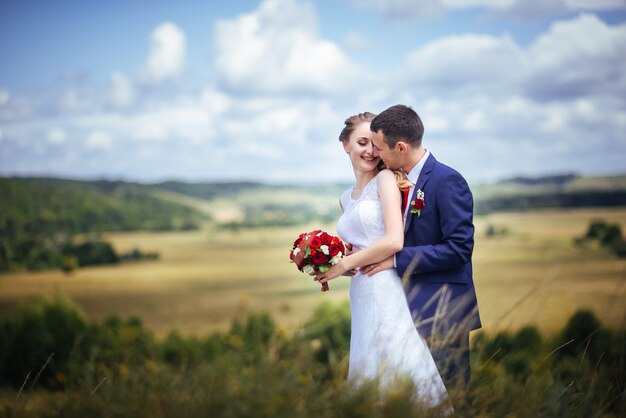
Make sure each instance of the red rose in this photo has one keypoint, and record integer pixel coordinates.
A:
(315, 242)
(298, 259)
(333, 250)
(418, 204)
(298, 240)
(326, 239)
(339, 244)
(318, 258)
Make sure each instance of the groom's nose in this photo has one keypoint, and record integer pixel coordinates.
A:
(374, 151)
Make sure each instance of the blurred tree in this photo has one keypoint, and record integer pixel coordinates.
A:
(41, 328)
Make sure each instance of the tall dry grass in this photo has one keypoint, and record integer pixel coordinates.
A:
(117, 368)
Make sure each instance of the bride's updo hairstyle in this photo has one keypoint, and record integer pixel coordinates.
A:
(350, 124)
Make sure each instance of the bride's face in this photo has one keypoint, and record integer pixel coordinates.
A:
(360, 148)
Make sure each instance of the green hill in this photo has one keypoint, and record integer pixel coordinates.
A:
(40, 218)
(566, 191)
(49, 206)
(207, 190)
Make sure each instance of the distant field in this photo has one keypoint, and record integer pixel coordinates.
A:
(206, 278)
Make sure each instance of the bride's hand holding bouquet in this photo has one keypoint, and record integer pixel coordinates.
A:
(339, 269)
(317, 252)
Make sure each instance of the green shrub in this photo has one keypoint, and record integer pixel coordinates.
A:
(117, 368)
(179, 351)
(607, 235)
(527, 339)
(91, 253)
(41, 328)
(69, 263)
(116, 343)
(587, 337)
(330, 326)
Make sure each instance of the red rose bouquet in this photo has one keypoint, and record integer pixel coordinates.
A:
(315, 252)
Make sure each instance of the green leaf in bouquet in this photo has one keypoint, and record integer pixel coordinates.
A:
(323, 268)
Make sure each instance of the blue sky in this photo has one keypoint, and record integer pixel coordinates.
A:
(258, 90)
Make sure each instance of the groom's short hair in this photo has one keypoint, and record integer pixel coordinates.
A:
(399, 123)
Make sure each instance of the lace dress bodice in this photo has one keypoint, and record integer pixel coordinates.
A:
(361, 223)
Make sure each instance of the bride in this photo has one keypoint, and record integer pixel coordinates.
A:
(384, 343)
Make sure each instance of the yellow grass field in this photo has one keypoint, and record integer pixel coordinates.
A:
(204, 279)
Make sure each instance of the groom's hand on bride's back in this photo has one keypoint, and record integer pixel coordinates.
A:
(372, 269)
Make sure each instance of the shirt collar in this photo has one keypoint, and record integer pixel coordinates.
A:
(415, 171)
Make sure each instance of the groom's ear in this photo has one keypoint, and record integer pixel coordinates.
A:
(402, 147)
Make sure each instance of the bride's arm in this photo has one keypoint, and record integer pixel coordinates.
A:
(388, 244)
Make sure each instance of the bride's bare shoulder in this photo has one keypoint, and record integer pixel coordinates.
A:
(386, 180)
(386, 175)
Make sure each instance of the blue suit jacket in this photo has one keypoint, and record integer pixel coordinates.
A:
(436, 261)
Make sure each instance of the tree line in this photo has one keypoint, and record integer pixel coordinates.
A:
(578, 199)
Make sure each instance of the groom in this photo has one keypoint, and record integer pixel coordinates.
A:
(436, 261)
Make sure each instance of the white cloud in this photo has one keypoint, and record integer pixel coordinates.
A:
(474, 121)
(531, 9)
(595, 4)
(144, 129)
(167, 53)
(403, 9)
(186, 121)
(4, 97)
(274, 109)
(73, 101)
(165, 61)
(56, 136)
(276, 49)
(573, 58)
(465, 4)
(17, 108)
(122, 91)
(354, 41)
(99, 140)
(464, 61)
(518, 9)
(577, 57)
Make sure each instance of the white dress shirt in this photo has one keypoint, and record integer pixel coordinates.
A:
(413, 176)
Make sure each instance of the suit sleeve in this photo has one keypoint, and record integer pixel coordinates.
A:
(455, 206)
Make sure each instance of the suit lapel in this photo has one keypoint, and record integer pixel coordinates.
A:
(421, 182)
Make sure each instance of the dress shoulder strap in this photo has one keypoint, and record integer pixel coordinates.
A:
(371, 190)
(345, 199)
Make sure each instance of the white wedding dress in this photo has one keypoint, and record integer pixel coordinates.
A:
(384, 343)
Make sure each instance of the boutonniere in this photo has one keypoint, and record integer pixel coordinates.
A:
(418, 204)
